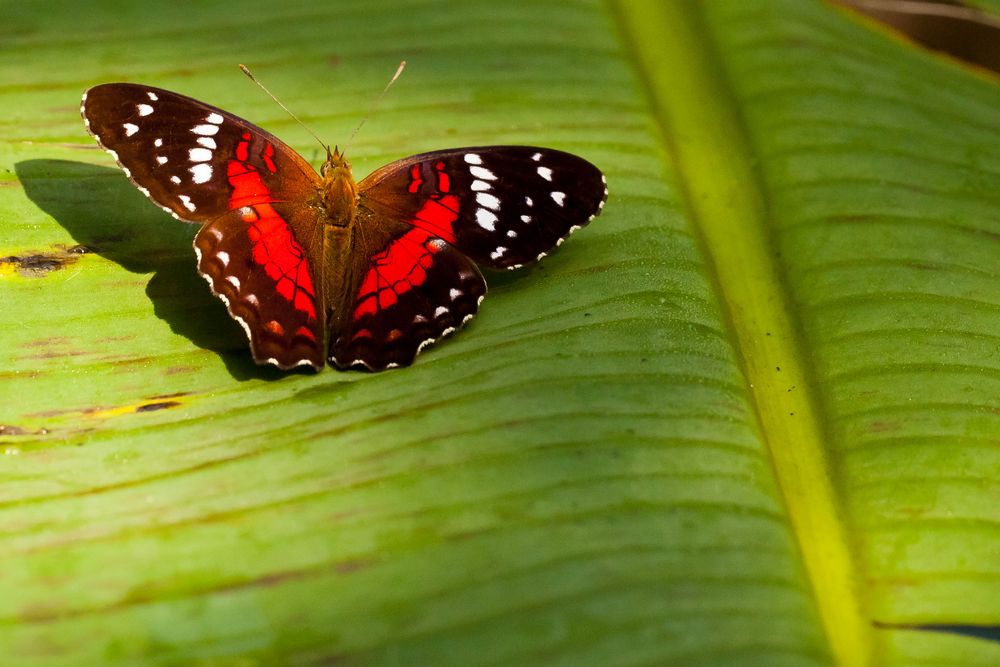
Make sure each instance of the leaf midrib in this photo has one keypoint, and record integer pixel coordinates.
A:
(703, 132)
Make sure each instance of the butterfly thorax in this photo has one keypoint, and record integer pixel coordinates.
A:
(340, 192)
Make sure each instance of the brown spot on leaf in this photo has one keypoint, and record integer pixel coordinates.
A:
(176, 394)
(10, 429)
(962, 32)
(881, 426)
(353, 565)
(40, 264)
(160, 405)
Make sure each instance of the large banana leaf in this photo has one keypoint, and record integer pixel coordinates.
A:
(748, 416)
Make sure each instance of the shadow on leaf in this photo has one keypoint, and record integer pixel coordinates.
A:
(104, 213)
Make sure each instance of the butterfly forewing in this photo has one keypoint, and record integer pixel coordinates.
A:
(177, 150)
(503, 206)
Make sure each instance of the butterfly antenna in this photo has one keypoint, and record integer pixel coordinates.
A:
(246, 70)
(374, 106)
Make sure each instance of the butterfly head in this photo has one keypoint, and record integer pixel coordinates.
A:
(340, 192)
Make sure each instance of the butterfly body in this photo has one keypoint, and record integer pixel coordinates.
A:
(317, 267)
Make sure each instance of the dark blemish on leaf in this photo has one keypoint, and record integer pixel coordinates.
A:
(10, 429)
(883, 426)
(962, 32)
(777, 368)
(176, 394)
(162, 405)
(352, 565)
(987, 632)
(40, 264)
(923, 266)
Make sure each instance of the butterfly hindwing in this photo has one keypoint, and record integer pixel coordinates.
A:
(261, 274)
(410, 288)
(503, 206)
(179, 151)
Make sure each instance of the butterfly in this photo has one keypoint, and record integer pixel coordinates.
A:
(317, 267)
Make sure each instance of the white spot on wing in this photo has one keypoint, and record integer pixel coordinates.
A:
(511, 233)
(486, 219)
(488, 200)
(175, 180)
(151, 95)
(223, 257)
(454, 294)
(187, 202)
(527, 200)
(158, 143)
(559, 198)
(207, 142)
(199, 155)
(234, 281)
(472, 158)
(545, 173)
(201, 173)
(525, 218)
(483, 173)
(214, 118)
(161, 159)
(536, 157)
(130, 129)
(249, 298)
(441, 310)
(144, 109)
(205, 130)
(480, 186)
(498, 253)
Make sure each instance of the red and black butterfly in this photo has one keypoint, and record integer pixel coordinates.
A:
(316, 266)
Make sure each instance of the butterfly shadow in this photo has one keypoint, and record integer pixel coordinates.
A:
(106, 215)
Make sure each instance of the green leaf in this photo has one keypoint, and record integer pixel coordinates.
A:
(748, 416)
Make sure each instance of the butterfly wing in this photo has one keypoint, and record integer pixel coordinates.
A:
(409, 289)
(255, 194)
(264, 280)
(423, 220)
(503, 206)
